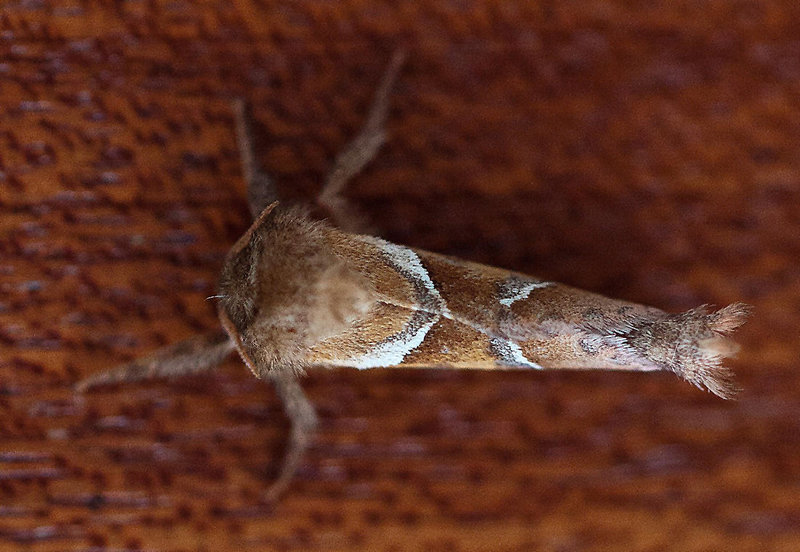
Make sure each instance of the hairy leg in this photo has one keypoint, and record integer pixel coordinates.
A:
(360, 151)
(260, 188)
(303, 422)
(190, 356)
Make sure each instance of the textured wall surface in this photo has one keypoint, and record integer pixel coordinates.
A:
(647, 151)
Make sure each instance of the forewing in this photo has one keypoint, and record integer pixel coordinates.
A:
(432, 311)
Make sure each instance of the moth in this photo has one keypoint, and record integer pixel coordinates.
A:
(297, 293)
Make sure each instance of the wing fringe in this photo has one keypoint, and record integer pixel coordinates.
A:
(693, 344)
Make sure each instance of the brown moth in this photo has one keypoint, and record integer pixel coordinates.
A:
(296, 293)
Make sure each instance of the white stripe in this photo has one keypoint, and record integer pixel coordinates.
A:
(519, 357)
(523, 292)
(392, 351)
(408, 263)
(509, 353)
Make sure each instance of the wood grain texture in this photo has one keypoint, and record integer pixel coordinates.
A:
(645, 151)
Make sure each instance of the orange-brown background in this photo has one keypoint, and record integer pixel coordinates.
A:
(645, 150)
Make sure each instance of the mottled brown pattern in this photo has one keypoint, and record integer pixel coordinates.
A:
(646, 151)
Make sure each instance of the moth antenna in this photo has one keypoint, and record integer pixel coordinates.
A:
(359, 152)
(190, 356)
(260, 187)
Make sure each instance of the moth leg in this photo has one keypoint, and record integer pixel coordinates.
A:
(303, 421)
(190, 356)
(360, 151)
(260, 188)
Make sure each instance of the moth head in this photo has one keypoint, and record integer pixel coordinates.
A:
(238, 281)
(282, 290)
